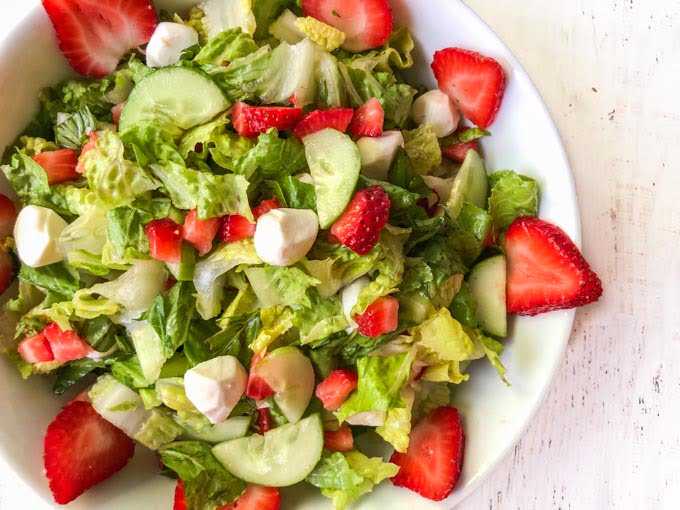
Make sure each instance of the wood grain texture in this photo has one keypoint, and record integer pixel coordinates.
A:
(608, 434)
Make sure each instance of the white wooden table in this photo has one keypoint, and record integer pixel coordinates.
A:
(608, 435)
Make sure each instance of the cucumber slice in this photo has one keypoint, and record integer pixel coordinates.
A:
(470, 185)
(334, 163)
(281, 457)
(487, 285)
(173, 96)
(233, 428)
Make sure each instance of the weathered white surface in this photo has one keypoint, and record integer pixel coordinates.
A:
(608, 434)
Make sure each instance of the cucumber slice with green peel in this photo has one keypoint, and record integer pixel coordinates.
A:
(173, 96)
(281, 457)
(233, 428)
(470, 185)
(334, 162)
(487, 285)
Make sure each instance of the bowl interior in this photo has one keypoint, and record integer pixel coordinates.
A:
(524, 138)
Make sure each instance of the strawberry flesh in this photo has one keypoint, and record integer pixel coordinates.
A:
(82, 449)
(180, 499)
(8, 215)
(250, 121)
(94, 35)
(368, 120)
(360, 224)
(199, 232)
(66, 345)
(59, 165)
(257, 388)
(546, 271)
(35, 349)
(165, 240)
(340, 440)
(475, 83)
(235, 228)
(335, 389)
(335, 118)
(256, 497)
(431, 465)
(6, 271)
(264, 420)
(381, 317)
(80, 167)
(459, 151)
(265, 206)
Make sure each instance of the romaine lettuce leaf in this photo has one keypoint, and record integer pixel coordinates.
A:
(320, 319)
(59, 279)
(512, 195)
(422, 147)
(158, 430)
(87, 233)
(272, 157)
(266, 11)
(464, 307)
(72, 131)
(293, 193)
(276, 320)
(150, 350)
(171, 316)
(283, 286)
(221, 15)
(397, 54)
(397, 427)
(225, 47)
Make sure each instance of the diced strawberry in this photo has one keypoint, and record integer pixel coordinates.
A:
(235, 228)
(340, 440)
(431, 465)
(180, 499)
(116, 111)
(367, 23)
(8, 215)
(265, 206)
(6, 271)
(256, 497)
(66, 345)
(35, 349)
(381, 316)
(250, 121)
(94, 35)
(335, 388)
(257, 388)
(200, 233)
(546, 270)
(335, 117)
(458, 151)
(81, 450)
(169, 284)
(264, 420)
(475, 83)
(80, 167)
(360, 225)
(368, 120)
(165, 240)
(59, 165)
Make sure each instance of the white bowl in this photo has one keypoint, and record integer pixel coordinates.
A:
(495, 416)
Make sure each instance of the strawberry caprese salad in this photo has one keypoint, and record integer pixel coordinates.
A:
(250, 241)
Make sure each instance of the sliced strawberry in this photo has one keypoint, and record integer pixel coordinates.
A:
(66, 345)
(235, 228)
(180, 499)
(431, 465)
(360, 225)
(473, 82)
(94, 35)
(256, 497)
(546, 270)
(459, 151)
(382, 316)
(335, 117)
(250, 121)
(59, 165)
(335, 388)
(264, 420)
(200, 233)
(8, 215)
(35, 349)
(81, 450)
(6, 271)
(165, 240)
(257, 388)
(367, 23)
(368, 120)
(116, 111)
(265, 206)
(340, 440)
(80, 168)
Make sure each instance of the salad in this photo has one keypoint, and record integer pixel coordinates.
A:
(248, 242)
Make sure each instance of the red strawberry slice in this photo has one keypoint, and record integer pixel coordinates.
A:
(340, 440)
(265, 206)
(81, 450)
(360, 225)
(367, 23)
(180, 499)
(459, 151)
(335, 117)
(8, 215)
(59, 165)
(35, 349)
(256, 497)
(250, 121)
(235, 228)
(335, 388)
(80, 168)
(431, 465)
(264, 420)
(257, 387)
(94, 35)
(165, 240)
(368, 120)
(382, 316)
(200, 233)
(473, 82)
(6, 271)
(66, 345)
(116, 112)
(546, 270)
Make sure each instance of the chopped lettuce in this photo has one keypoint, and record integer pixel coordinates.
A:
(284, 286)
(221, 15)
(276, 320)
(158, 430)
(325, 36)
(225, 47)
(267, 11)
(150, 350)
(422, 147)
(512, 195)
(397, 427)
(73, 130)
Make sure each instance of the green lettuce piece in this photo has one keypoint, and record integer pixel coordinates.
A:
(397, 54)
(171, 315)
(245, 301)
(280, 285)
(213, 195)
(422, 147)
(381, 379)
(225, 47)
(160, 429)
(27, 177)
(170, 390)
(220, 16)
(331, 87)
(320, 319)
(126, 238)
(129, 372)
(75, 95)
(115, 180)
(397, 427)
(58, 278)
(293, 193)
(468, 135)
(430, 396)
(87, 233)
(73, 131)
(79, 200)
(492, 349)
(266, 11)
(153, 142)
(442, 258)
(272, 157)
(276, 320)
(207, 484)
(241, 79)
(207, 135)
(512, 195)
(32, 145)
(210, 274)
(403, 174)
(150, 351)
(468, 232)
(464, 307)
(327, 37)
